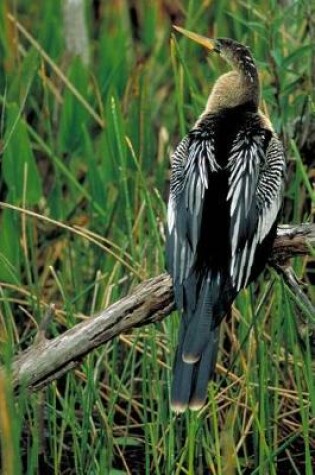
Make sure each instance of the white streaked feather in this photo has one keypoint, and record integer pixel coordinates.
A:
(247, 195)
(240, 271)
(236, 233)
(182, 263)
(192, 162)
(199, 193)
(251, 258)
(175, 251)
(191, 194)
(268, 217)
(233, 267)
(203, 174)
(171, 214)
(257, 176)
(236, 198)
(238, 171)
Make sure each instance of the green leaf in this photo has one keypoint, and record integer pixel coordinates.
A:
(73, 114)
(10, 247)
(20, 83)
(96, 185)
(298, 54)
(19, 168)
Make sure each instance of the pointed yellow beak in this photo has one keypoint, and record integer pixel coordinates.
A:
(202, 40)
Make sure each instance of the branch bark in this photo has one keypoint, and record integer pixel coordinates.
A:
(151, 301)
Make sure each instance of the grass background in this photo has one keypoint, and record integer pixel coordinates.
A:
(85, 145)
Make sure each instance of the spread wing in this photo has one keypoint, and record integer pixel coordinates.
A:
(191, 163)
(256, 173)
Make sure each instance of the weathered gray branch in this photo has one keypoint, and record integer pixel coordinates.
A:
(151, 301)
(47, 360)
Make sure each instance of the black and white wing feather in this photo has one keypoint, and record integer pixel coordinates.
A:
(256, 173)
(192, 161)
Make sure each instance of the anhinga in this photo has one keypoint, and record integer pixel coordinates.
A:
(225, 195)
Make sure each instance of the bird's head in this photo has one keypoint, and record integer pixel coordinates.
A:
(234, 53)
(243, 81)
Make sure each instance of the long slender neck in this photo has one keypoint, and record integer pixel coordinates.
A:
(234, 89)
(239, 86)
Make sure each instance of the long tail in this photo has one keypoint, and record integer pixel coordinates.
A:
(190, 380)
(197, 350)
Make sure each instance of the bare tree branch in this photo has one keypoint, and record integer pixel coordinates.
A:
(150, 302)
(47, 360)
(293, 241)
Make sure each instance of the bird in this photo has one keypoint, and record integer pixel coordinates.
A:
(226, 191)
